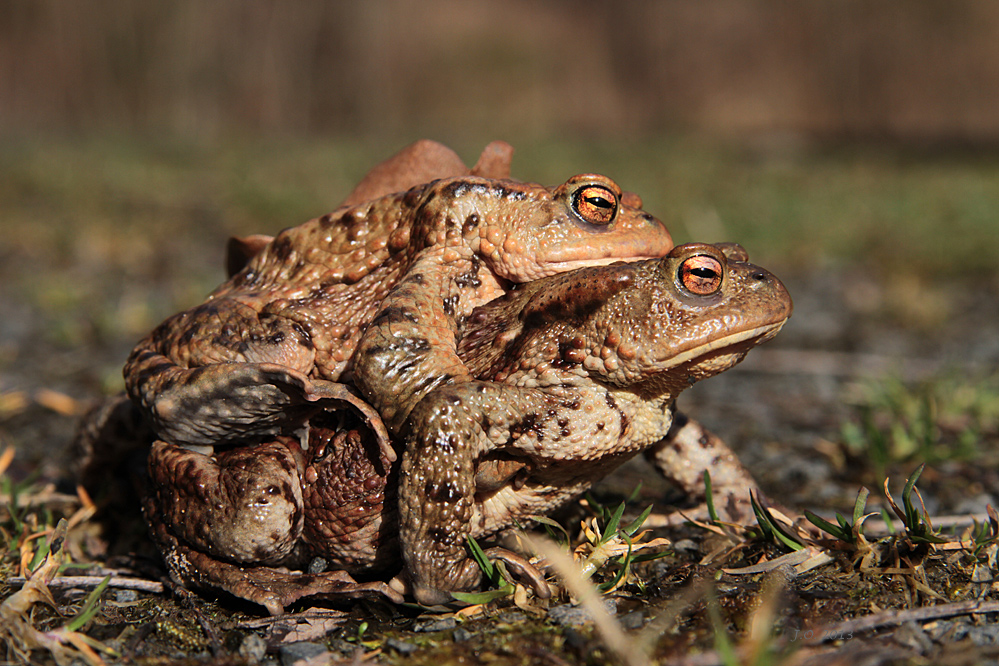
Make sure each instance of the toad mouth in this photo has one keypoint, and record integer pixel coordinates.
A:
(739, 342)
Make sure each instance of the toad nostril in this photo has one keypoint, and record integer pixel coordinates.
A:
(759, 275)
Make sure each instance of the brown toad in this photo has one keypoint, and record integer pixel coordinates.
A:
(574, 374)
(372, 294)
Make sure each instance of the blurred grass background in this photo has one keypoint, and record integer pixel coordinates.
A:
(848, 144)
(90, 220)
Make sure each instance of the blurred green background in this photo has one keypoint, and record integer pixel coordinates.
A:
(850, 146)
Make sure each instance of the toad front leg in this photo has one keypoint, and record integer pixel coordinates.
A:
(552, 443)
(436, 501)
(409, 348)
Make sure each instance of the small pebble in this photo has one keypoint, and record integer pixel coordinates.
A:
(253, 648)
(686, 545)
(345, 648)
(317, 565)
(125, 596)
(511, 617)
(461, 635)
(569, 615)
(436, 625)
(633, 620)
(400, 646)
(911, 635)
(296, 653)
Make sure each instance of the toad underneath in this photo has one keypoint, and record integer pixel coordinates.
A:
(572, 375)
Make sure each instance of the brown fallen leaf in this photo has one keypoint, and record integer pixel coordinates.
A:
(60, 403)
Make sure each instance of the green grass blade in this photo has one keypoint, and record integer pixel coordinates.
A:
(91, 606)
(610, 529)
(912, 519)
(484, 597)
(837, 531)
(550, 526)
(488, 569)
(709, 498)
(636, 524)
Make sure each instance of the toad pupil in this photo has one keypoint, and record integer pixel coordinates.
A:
(599, 201)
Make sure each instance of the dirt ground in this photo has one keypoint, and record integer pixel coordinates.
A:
(880, 369)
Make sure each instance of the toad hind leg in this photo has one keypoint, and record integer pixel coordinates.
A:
(222, 402)
(273, 588)
(244, 504)
(221, 522)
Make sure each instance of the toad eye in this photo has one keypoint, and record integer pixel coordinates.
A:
(595, 204)
(701, 275)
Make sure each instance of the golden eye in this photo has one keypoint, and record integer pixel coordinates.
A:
(701, 275)
(595, 204)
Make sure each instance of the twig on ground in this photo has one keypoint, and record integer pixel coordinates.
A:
(87, 582)
(311, 614)
(895, 617)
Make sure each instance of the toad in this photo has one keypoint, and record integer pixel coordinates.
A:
(371, 294)
(573, 375)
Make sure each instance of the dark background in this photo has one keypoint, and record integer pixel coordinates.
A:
(919, 71)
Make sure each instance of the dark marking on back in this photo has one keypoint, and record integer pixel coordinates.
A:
(430, 381)
(413, 195)
(395, 315)
(572, 404)
(304, 338)
(414, 278)
(188, 335)
(416, 346)
(460, 188)
(577, 297)
(157, 368)
(500, 190)
(530, 422)
(471, 278)
(562, 360)
(281, 247)
(471, 223)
